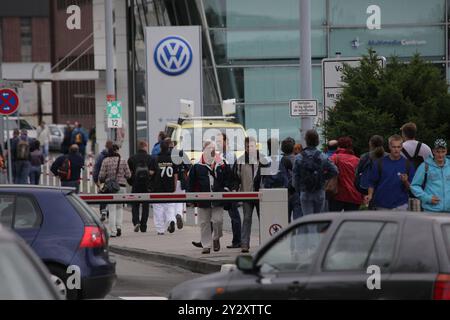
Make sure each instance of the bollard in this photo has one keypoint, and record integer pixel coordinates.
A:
(196, 215)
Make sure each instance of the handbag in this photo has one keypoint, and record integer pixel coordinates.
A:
(111, 185)
(331, 186)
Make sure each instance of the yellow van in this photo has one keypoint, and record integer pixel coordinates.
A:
(190, 133)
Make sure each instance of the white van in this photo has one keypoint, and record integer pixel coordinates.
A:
(24, 124)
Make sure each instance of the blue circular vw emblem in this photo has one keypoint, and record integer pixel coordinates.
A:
(173, 55)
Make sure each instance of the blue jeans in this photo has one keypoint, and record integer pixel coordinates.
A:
(312, 202)
(35, 175)
(236, 224)
(294, 207)
(23, 168)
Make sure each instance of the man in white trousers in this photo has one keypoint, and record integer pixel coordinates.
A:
(165, 177)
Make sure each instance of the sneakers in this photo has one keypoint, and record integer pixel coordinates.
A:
(234, 246)
(216, 245)
(206, 251)
(179, 221)
(160, 233)
(143, 228)
(119, 232)
(171, 227)
(137, 227)
(245, 249)
(103, 216)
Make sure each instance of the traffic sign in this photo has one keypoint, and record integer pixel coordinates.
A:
(274, 228)
(114, 114)
(332, 77)
(9, 102)
(303, 108)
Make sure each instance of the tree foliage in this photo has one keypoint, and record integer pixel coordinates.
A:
(378, 100)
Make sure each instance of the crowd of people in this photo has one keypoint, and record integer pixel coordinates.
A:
(409, 174)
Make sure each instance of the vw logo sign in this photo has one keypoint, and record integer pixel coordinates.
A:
(173, 55)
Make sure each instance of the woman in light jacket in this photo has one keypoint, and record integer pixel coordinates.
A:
(431, 181)
(114, 167)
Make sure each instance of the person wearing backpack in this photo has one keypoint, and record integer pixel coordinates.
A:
(140, 165)
(390, 179)
(347, 197)
(22, 157)
(430, 183)
(68, 168)
(286, 171)
(312, 169)
(37, 160)
(80, 138)
(415, 151)
(365, 164)
(114, 173)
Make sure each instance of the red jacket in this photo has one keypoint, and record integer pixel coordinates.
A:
(346, 163)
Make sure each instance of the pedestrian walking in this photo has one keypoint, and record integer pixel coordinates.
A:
(80, 138)
(365, 164)
(415, 151)
(286, 169)
(247, 173)
(332, 147)
(114, 173)
(66, 143)
(96, 171)
(68, 168)
(430, 183)
(298, 148)
(43, 136)
(165, 177)
(347, 198)
(209, 175)
(229, 159)
(312, 169)
(157, 146)
(140, 165)
(93, 139)
(12, 142)
(22, 160)
(390, 178)
(37, 160)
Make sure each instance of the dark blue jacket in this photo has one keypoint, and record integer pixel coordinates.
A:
(76, 162)
(98, 164)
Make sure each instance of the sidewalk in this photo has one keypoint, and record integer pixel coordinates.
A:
(176, 248)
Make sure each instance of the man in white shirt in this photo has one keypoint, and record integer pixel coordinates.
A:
(411, 147)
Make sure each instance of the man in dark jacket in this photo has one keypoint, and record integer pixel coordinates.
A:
(95, 172)
(140, 165)
(209, 175)
(69, 171)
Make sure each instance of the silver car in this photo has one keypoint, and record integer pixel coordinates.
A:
(56, 136)
(22, 274)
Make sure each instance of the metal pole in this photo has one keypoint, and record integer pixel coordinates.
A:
(110, 86)
(305, 61)
(8, 141)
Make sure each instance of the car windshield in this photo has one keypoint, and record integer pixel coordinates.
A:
(19, 279)
(190, 142)
(295, 251)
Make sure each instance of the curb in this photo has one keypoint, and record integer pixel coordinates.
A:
(184, 262)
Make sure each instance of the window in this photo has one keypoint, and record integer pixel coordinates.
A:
(26, 39)
(358, 244)
(295, 251)
(27, 214)
(6, 210)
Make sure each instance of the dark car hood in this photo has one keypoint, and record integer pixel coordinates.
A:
(202, 288)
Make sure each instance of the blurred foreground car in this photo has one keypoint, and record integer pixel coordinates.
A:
(340, 256)
(64, 232)
(22, 274)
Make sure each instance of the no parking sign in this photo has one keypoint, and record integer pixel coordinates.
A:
(9, 102)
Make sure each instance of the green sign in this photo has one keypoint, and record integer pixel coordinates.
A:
(114, 114)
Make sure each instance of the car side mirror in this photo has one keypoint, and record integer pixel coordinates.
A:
(245, 263)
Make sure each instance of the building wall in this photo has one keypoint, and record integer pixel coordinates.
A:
(11, 39)
(40, 39)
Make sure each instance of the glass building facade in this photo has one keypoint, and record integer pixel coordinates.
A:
(251, 47)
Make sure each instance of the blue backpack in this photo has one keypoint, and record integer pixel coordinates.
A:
(311, 172)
